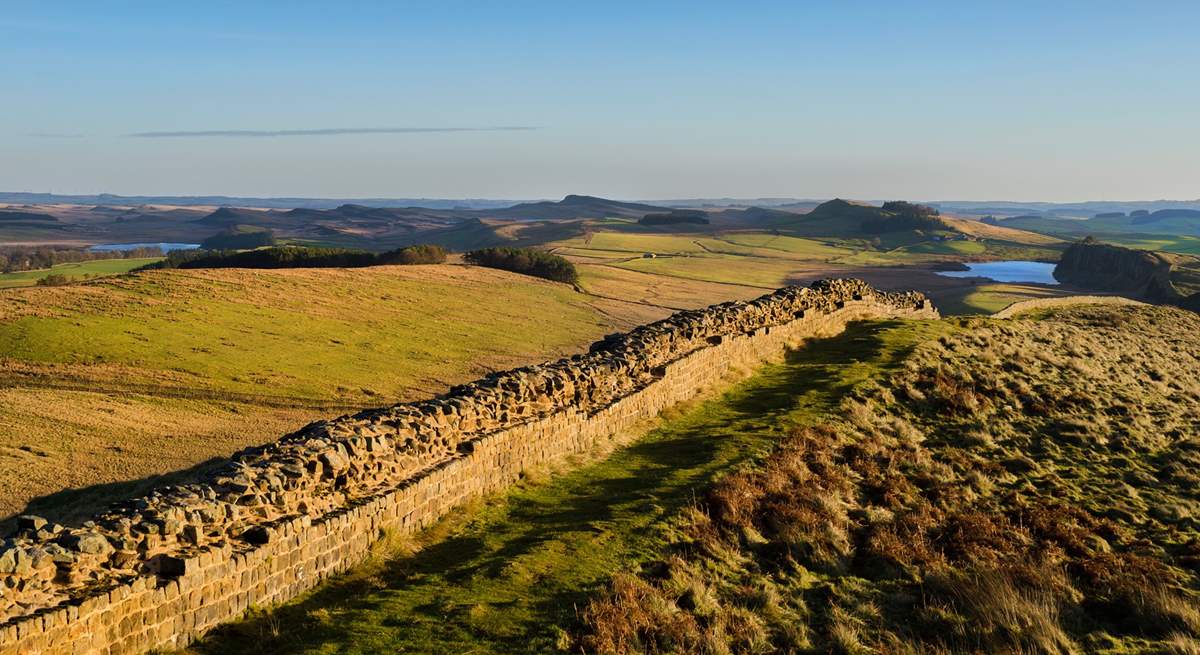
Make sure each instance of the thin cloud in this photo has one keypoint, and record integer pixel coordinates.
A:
(326, 131)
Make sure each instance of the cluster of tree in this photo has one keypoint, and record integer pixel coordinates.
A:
(18, 258)
(905, 207)
(526, 261)
(679, 216)
(901, 215)
(300, 257)
(53, 280)
(239, 238)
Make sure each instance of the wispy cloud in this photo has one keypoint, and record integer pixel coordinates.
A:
(326, 131)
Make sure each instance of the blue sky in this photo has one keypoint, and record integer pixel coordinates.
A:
(924, 100)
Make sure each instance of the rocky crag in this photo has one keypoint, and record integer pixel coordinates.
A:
(1153, 276)
(160, 570)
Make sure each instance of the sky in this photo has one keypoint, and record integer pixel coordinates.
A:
(1057, 101)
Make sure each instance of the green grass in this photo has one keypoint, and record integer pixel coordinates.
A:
(506, 576)
(1018, 486)
(1184, 245)
(260, 331)
(991, 298)
(728, 269)
(106, 383)
(99, 267)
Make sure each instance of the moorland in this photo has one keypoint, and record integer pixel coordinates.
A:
(886, 489)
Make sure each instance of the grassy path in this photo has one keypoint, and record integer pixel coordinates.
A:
(507, 575)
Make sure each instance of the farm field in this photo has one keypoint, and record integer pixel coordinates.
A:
(107, 382)
(1182, 244)
(97, 268)
(691, 269)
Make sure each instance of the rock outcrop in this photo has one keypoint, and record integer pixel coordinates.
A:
(1105, 267)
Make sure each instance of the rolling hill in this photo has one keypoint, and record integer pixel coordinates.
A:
(1174, 229)
(909, 486)
(574, 206)
(105, 384)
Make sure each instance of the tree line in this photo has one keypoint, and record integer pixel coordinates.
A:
(299, 257)
(526, 261)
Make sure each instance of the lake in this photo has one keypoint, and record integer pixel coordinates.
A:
(1010, 271)
(165, 247)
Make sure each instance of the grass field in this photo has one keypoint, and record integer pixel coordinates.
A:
(508, 575)
(733, 265)
(1184, 245)
(97, 268)
(114, 380)
(749, 244)
(991, 298)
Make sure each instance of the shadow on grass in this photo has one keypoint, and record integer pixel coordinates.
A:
(70, 506)
(511, 575)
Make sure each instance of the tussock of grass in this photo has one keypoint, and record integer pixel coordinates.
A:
(1020, 486)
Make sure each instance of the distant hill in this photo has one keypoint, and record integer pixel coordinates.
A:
(109, 199)
(227, 217)
(1176, 222)
(239, 237)
(1191, 216)
(7, 216)
(849, 219)
(676, 217)
(574, 206)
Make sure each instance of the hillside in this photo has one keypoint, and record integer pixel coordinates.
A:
(971, 485)
(1175, 229)
(846, 219)
(109, 382)
(8, 216)
(999, 494)
(574, 206)
(1154, 276)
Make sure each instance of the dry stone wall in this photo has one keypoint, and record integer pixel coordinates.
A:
(158, 571)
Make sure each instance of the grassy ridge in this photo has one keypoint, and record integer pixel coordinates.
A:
(117, 379)
(507, 576)
(1024, 486)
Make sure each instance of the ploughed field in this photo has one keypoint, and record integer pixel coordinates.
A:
(962, 485)
(107, 383)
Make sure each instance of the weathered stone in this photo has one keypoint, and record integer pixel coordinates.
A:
(257, 535)
(169, 566)
(88, 542)
(30, 523)
(333, 461)
(8, 559)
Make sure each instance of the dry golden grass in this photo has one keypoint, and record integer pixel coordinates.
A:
(106, 383)
(1020, 486)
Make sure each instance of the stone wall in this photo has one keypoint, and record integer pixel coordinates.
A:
(158, 571)
(1022, 306)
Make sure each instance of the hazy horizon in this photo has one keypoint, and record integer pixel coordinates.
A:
(623, 100)
(499, 199)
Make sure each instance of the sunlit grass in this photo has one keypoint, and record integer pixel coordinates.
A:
(99, 267)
